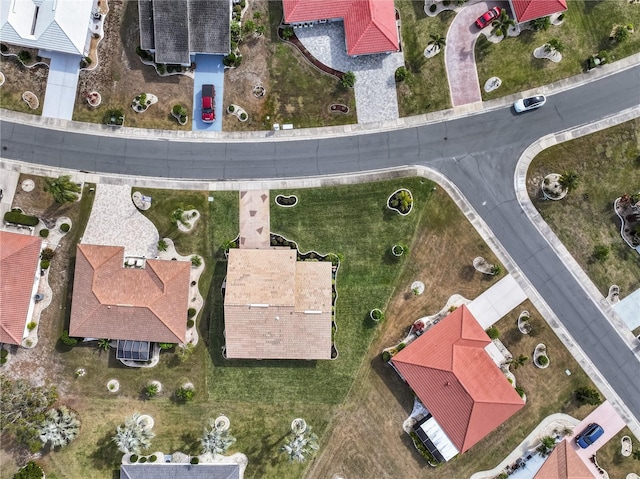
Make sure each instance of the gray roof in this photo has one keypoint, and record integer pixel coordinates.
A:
(179, 471)
(177, 28)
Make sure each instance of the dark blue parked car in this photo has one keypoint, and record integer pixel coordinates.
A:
(589, 435)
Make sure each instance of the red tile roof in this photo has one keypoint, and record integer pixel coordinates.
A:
(19, 259)
(456, 379)
(369, 25)
(527, 10)
(564, 463)
(113, 302)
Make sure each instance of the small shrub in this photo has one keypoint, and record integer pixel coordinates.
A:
(520, 391)
(30, 471)
(47, 254)
(287, 33)
(66, 340)
(3, 48)
(3, 360)
(243, 116)
(191, 323)
(162, 245)
(433, 8)
(496, 270)
(561, 17)
(4, 353)
(587, 395)
(142, 460)
(44, 233)
(133, 458)
(18, 218)
(29, 342)
(153, 458)
(196, 261)
(401, 72)
(24, 56)
(31, 325)
(166, 345)
(543, 360)
(601, 252)
(44, 264)
(191, 312)
(184, 394)
(194, 460)
(232, 108)
(162, 68)
(493, 332)
(401, 346)
(348, 79)
(65, 227)
(386, 356)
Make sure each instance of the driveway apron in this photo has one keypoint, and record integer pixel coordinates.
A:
(62, 83)
(209, 71)
(459, 55)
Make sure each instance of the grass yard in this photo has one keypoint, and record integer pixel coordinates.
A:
(585, 31)
(301, 94)
(608, 165)
(426, 88)
(611, 460)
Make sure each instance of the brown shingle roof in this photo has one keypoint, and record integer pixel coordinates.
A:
(456, 379)
(110, 301)
(19, 258)
(276, 307)
(564, 463)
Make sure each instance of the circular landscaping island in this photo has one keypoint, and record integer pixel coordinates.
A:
(338, 108)
(113, 385)
(401, 201)
(286, 201)
(551, 187)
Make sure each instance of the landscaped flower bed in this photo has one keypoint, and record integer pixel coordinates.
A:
(401, 201)
(286, 201)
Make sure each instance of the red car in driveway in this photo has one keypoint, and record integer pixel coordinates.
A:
(488, 17)
(208, 106)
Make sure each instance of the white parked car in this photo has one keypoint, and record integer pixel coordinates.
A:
(531, 103)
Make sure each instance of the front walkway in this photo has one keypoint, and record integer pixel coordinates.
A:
(497, 301)
(255, 220)
(375, 87)
(62, 83)
(115, 221)
(459, 55)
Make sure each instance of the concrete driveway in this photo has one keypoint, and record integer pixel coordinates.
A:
(62, 83)
(459, 55)
(209, 70)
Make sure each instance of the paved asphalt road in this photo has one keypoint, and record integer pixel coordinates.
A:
(478, 153)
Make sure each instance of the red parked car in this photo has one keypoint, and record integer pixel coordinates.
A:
(208, 105)
(488, 17)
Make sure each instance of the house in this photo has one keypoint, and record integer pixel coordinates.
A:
(177, 29)
(527, 10)
(276, 307)
(136, 305)
(181, 471)
(52, 25)
(369, 25)
(19, 279)
(564, 463)
(458, 382)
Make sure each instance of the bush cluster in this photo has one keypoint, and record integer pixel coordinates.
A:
(19, 218)
(44, 233)
(65, 227)
(66, 340)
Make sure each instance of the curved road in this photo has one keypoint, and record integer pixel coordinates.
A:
(477, 153)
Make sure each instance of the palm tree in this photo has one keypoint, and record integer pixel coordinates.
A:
(216, 439)
(437, 41)
(569, 180)
(541, 24)
(60, 427)
(553, 45)
(132, 437)
(62, 188)
(502, 24)
(300, 446)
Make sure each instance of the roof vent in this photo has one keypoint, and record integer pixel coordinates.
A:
(277, 318)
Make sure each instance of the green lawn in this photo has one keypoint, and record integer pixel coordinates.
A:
(585, 30)
(426, 88)
(611, 459)
(608, 165)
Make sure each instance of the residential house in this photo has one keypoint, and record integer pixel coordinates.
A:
(19, 279)
(178, 29)
(458, 382)
(276, 307)
(181, 471)
(369, 25)
(137, 305)
(527, 10)
(51, 25)
(564, 463)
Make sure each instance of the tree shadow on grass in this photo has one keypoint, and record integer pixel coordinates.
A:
(107, 455)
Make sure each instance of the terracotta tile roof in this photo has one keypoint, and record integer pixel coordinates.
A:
(527, 10)
(564, 463)
(110, 301)
(457, 381)
(276, 307)
(19, 260)
(369, 25)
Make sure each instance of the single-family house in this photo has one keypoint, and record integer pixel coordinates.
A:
(137, 306)
(178, 29)
(51, 25)
(527, 10)
(181, 471)
(369, 25)
(276, 307)
(19, 279)
(564, 463)
(458, 382)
